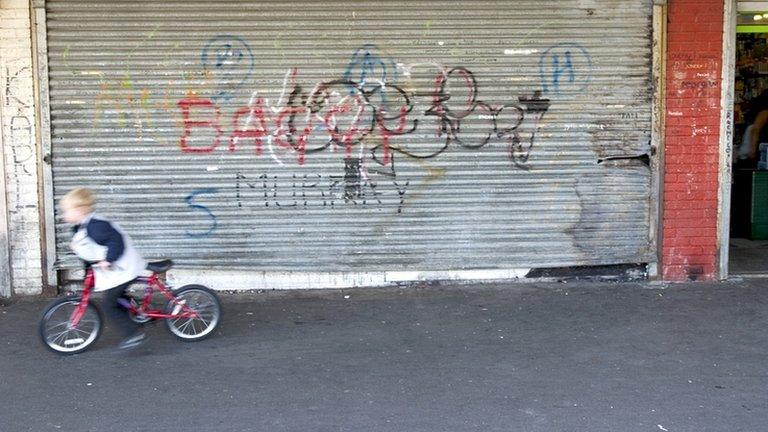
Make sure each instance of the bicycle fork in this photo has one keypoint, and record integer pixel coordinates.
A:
(79, 311)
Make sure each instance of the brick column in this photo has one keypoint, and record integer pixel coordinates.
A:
(694, 68)
(17, 105)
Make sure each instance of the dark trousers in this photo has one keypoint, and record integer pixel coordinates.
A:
(116, 314)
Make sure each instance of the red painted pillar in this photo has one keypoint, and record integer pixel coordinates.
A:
(691, 149)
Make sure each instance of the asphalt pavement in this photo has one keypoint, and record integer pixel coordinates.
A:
(574, 356)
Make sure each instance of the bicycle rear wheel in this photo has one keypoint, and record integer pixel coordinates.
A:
(60, 336)
(206, 307)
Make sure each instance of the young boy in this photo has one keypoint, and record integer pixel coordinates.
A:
(111, 253)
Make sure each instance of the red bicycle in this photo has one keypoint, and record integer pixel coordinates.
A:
(72, 324)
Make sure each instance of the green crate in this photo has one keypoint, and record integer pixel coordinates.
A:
(759, 213)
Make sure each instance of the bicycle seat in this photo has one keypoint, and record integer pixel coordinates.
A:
(160, 266)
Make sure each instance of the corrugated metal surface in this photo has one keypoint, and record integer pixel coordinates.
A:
(421, 135)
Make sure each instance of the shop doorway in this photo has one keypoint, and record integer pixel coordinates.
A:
(748, 245)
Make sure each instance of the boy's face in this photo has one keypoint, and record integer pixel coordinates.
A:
(74, 215)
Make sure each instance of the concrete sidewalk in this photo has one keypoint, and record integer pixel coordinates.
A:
(571, 356)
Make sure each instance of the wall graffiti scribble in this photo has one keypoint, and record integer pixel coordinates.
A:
(366, 65)
(229, 61)
(346, 118)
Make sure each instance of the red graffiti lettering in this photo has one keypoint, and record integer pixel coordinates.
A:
(255, 113)
(347, 138)
(186, 106)
(299, 145)
(402, 119)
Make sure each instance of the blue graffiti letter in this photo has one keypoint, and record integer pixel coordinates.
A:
(565, 58)
(202, 208)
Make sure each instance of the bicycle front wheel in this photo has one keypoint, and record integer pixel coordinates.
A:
(59, 334)
(197, 313)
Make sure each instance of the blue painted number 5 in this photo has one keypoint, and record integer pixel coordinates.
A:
(201, 208)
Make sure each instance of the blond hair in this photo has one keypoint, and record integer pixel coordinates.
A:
(80, 197)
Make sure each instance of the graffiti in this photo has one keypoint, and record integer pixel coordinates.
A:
(688, 56)
(22, 151)
(565, 68)
(186, 109)
(203, 209)
(364, 110)
(367, 66)
(125, 105)
(21, 136)
(11, 97)
(342, 114)
(229, 61)
(698, 85)
(696, 76)
(355, 187)
(21, 127)
(366, 115)
(629, 116)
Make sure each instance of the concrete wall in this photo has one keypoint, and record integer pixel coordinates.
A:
(17, 105)
(694, 68)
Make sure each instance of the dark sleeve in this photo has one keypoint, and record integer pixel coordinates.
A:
(103, 233)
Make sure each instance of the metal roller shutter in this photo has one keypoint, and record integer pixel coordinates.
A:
(359, 135)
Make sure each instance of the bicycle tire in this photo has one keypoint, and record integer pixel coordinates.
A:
(193, 296)
(69, 341)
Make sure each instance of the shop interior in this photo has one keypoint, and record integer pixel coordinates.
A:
(748, 246)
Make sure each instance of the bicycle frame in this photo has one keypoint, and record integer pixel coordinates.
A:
(150, 282)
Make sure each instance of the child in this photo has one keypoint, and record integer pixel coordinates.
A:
(111, 253)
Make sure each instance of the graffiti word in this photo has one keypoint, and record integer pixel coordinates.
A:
(699, 131)
(332, 116)
(572, 126)
(565, 67)
(18, 104)
(355, 188)
(629, 116)
(698, 85)
(693, 57)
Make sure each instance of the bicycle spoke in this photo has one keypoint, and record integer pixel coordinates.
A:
(206, 323)
(191, 326)
(184, 326)
(60, 338)
(83, 332)
(176, 322)
(49, 328)
(54, 337)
